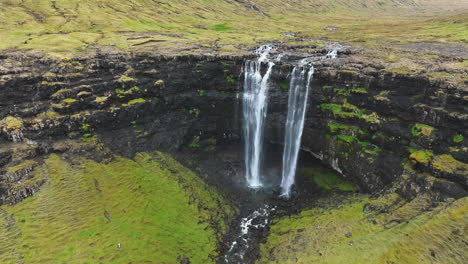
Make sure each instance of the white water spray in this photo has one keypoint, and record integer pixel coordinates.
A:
(298, 93)
(255, 100)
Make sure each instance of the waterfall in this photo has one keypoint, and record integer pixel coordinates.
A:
(297, 102)
(255, 100)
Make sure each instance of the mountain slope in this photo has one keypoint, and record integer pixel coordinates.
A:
(77, 25)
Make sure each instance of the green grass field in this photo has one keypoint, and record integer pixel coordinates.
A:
(74, 27)
(147, 210)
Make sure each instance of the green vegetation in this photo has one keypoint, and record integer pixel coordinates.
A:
(422, 156)
(359, 90)
(447, 163)
(283, 85)
(101, 100)
(194, 111)
(327, 179)
(421, 130)
(135, 101)
(85, 127)
(125, 211)
(364, 230)
(125, 79)
(159, 83)
(348, 111)
(457, 138)
(121, 93)
(342, 92)
(230, 78)
(221, 27)
(11, 124)
(346, 139)
(336, 127)
(65, 28)
(61, 94)
(194, 145)
(69, 101)
(201, 92)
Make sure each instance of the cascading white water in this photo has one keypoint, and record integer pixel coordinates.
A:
(298, 93)
(255, 100)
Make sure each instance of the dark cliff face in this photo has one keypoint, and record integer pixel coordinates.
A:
(384, 132)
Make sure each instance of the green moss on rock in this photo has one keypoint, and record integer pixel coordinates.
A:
(422, 156)
(421, 130)
(447, 163)
(457, 138)
(328, 179)
(135, 101)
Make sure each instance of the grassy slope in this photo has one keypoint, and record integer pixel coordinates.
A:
(157, 210)
(72, 26)
(406, 234)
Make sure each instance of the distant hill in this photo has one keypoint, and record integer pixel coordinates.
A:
(77, 25)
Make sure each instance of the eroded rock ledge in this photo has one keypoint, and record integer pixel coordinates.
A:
(384, 131)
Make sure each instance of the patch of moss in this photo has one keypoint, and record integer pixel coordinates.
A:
(135, 101)
(61, 94)
(101, 100)
(125, 79)
(121, 93)
(221, 27)
(230, 78)
(422, 156)
(69, 101)
(346, 139)
(127, 211)
(328, 179)
(457, 138)
(159, 83)
(341, 92)
(421, 130)
(382, 96)
(359, 90)
(447, 163)
(11, 124)
(283, 85)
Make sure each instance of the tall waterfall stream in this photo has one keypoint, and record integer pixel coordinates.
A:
(254, 106)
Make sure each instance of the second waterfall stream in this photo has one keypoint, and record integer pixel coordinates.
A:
(299, 87)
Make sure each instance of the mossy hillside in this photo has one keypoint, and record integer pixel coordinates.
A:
(67, 27)
(365, 230)
(150, 209)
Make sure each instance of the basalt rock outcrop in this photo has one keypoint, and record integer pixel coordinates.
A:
(385, 132)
